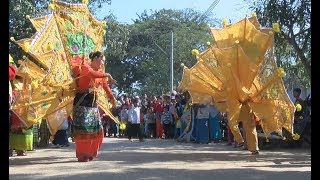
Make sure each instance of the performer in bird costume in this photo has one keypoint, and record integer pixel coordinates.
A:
(64, 69)
(239, 75)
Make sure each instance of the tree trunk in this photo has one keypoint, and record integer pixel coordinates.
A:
(300, 53)
(302, 57)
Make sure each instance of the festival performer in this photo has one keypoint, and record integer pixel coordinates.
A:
(87, 126)
(251, 136)
(21, 136)
(12, 75)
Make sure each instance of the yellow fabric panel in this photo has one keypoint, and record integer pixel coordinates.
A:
(196, 85)
(56, 119)
(227, 36)
(23, 97)
(200, 90)
(209, 58)
(198, 98)
(25, 43)
(244, 73)
(202, 71)
(213, 65)
(49, 35)
(20, 107)
(79, 16)
(30, 69)
(233, 110)
(242, 70)
(49, 47)
(200, 86)
(35, 104)
(255, 43)
(275, 100)
(246, 68)
(104, 104)
(39, 22)
(60, 72)
(252, 40)
(185, 80)
(203, 81)
(272, 90)
(257, 25)
(255, 22)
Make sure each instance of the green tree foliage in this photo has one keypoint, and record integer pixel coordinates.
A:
(146, 61)
(137, 55)
(293, 43)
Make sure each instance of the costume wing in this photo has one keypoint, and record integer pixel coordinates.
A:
(69, 32)
(240, 68)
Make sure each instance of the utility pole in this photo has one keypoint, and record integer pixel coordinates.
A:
(170, 58)
(171, 64)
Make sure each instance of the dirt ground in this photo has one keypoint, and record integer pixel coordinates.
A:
(158, 159)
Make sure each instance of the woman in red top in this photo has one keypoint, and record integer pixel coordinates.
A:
(87, 126)
(158, 109)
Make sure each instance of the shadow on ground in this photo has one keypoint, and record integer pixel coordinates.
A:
(182, 174)
(122, 160)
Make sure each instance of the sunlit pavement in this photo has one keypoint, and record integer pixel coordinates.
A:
(120, 159)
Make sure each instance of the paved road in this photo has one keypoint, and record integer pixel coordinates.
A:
(163, 159)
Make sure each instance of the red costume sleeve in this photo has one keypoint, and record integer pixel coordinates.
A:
(12, 72)
(85, 74)
(86, 70)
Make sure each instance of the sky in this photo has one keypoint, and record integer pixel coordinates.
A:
(126, 10)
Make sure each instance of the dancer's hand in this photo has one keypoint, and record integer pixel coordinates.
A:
(114, 102)
(112, 81)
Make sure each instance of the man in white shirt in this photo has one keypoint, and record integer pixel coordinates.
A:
(134, 121)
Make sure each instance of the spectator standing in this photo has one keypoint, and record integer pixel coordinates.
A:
(134, 121)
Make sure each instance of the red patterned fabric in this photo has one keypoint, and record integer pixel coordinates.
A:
(88, 145)
(12, 72)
